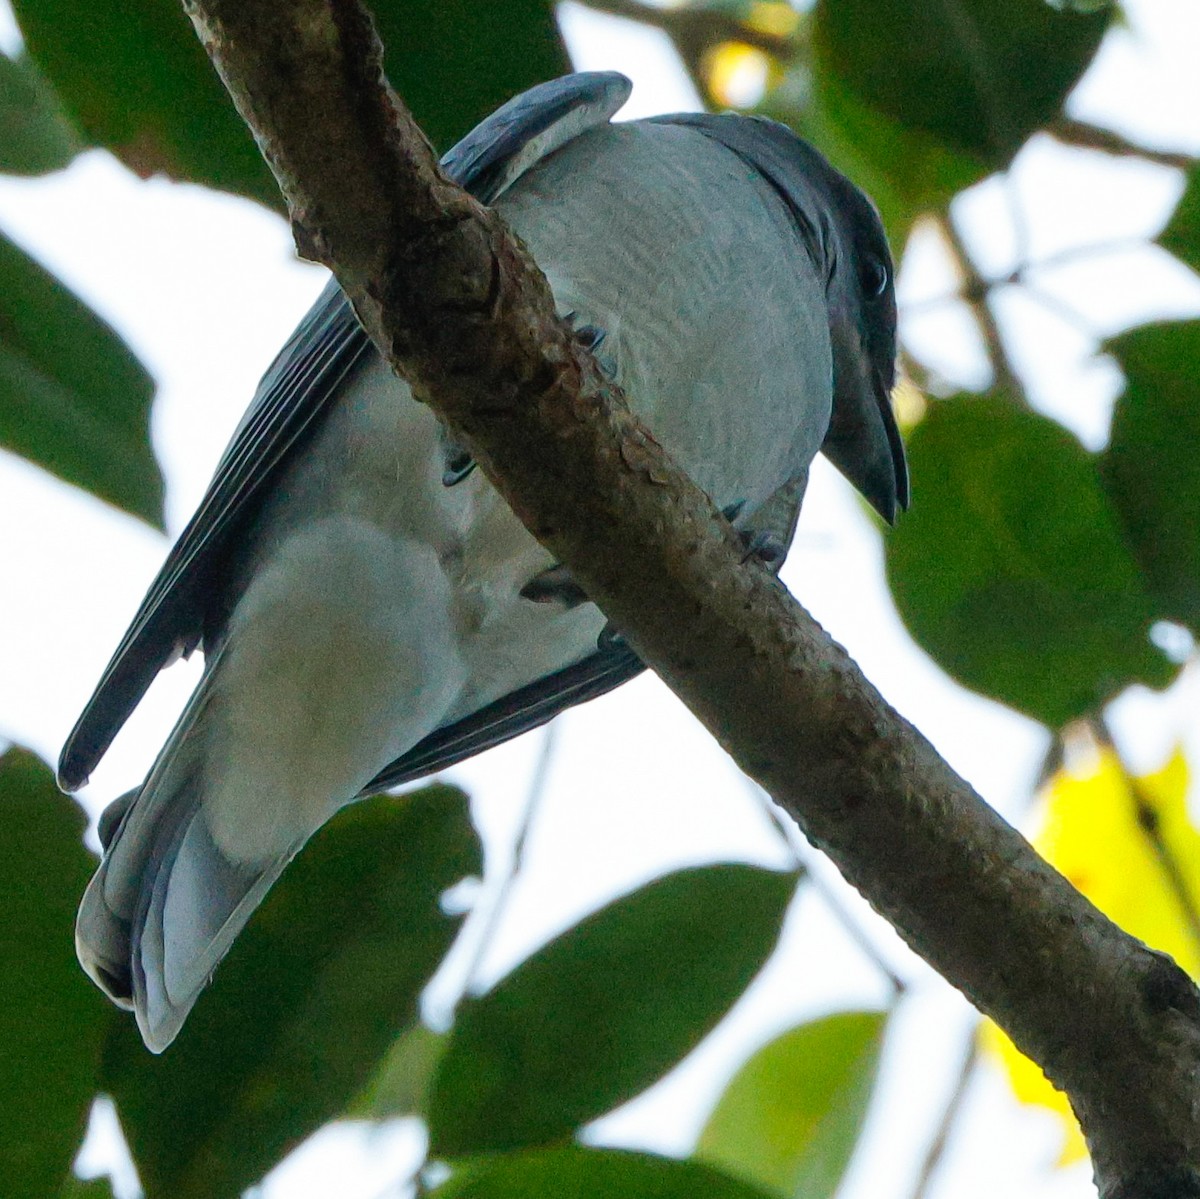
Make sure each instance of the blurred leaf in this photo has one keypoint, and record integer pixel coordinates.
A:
(87, 1188)
(779, 18)
(73, 398)
(904, 170)
(52, 1020)
(597, 1015)
(1182, 234)
(456, 61)
(310, 999)
(400, 1087)
(35, 134)
(1089, 829)
(572, 1172)
(137, 81)
(790, 1118)
(980, 77)
(1011, 569)
(1152, 466)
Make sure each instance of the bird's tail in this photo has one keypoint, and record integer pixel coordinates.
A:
(166, 903)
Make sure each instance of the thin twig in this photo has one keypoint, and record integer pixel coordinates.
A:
(697, 26)
(490, 919)
(1018, 218)
(975, 296)
(516, 859)
(1093, 137)
(950, 1113)
(1067, 313)
(1019, 276)
(1148, 820)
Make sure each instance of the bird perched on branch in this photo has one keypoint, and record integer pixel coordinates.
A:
(371, 611)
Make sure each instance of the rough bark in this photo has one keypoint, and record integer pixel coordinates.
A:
(460, 310)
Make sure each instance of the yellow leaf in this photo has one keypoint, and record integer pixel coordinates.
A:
(1091, 832)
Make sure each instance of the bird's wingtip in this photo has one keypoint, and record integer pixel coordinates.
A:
(71, 775)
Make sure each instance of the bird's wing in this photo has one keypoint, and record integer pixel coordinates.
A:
(292, 397)
(526, 708)
(871, 454)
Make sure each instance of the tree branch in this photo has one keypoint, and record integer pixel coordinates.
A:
(975, 291)
(461, 311)
(936, 1153)
(1094, 137)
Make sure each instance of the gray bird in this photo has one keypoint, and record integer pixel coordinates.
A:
(371, 611)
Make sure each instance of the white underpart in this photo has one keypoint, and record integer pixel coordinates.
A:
(340, 656)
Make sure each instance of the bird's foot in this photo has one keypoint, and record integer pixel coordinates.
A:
(610, 639)
(457, 463)
(764, 546)
(554, 585)
(592, 337)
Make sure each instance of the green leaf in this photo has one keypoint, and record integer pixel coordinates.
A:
(572, 1172)
(978, 76)
(600, 1013)
(35, 134)
(1012, 570)
(1182, 234)
(791, 1116)
(310, 999)
(400, 1087)
(456, 61)
(87, 1188)
(73, 398)
(1152, 466)
(136, 81)
(52, 1020)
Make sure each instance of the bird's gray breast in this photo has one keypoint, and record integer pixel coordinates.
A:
(714, 313)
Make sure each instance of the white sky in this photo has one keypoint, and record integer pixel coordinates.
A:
(206, 289)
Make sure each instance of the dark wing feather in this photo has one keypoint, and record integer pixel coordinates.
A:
(526, 708)
(308, 371)
(293, 395)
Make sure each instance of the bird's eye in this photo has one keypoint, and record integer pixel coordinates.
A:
(873, 277)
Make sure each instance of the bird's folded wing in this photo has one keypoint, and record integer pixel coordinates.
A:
(292, 397)
(521, 710)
